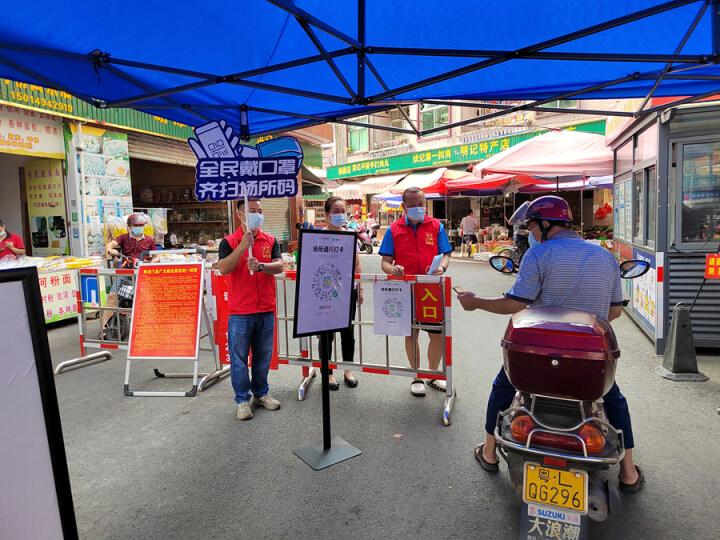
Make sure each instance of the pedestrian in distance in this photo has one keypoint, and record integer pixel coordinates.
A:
(408, 248)
(251, 257)
(335, 210)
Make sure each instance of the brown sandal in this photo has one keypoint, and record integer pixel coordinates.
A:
(489, 467)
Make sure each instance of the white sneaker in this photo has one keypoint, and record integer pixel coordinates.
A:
(417, 388)
(244, 411)
(267, 401)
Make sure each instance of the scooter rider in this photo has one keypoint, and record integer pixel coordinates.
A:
(560, 270)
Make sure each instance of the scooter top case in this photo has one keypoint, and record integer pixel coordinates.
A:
(560, 352)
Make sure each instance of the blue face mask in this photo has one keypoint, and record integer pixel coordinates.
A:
(255, 220)
(137, 231)
(338, 220)
(416, 214)
(532, 241)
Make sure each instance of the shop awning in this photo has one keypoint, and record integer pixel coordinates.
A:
(348, 191)
(598, 182)
(492, 184)
(423, 180)
(554, 154)
(284, 65)
(378, 184)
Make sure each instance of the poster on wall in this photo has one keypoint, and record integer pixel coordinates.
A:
(325, 279)
(45, 193)
(645, 292)
(103, 168)
(30, 133)
(392, 305)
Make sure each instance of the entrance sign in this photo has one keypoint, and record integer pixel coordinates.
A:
(712, 266)
(325, 280)
(392, 304)
(166, 311)
(428, 303)
(35, 496)
(227, 170)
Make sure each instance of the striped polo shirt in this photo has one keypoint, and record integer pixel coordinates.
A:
(566, 271)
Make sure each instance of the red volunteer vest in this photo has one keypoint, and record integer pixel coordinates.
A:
(248, 294)
(415, 248)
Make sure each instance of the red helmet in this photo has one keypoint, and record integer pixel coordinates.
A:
(548, 207)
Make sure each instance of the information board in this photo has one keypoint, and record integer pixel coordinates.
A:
(325, 280)
(166, 311)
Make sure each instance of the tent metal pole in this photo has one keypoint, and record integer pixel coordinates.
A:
(679, 102)
(382, 82)
(678, 50)
(541, 55)
(361, 53)
(323, 52)
(521, 53)
(715, 27)
(295, 11)
(565, 95)
(499, 106)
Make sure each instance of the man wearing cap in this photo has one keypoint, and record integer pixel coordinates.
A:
(251, 295)
(560, 270)
(408, 248)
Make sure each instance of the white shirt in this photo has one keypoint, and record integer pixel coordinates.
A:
(469, 225)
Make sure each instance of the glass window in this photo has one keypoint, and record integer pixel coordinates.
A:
(638, 206)
(701, 192)
(358, 140)
(433, 116)
(624, 157)
(646, 146)
(651, 203)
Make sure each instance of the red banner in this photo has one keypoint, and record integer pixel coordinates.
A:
(166, 311)
(428, 303)
(712, 266)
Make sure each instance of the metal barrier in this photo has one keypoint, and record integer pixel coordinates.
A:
(304, 354)
(91, 305)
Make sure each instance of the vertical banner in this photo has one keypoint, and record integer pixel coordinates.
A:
(103, 169)
(222, 312)
(392, 305)
(644, 297)
(45, 192)
(166, 311)
(325, 279)
(428, 303)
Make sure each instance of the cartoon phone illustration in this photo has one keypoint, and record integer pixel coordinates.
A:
(214, 141)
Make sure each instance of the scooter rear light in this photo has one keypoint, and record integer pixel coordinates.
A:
(593, 437)
(520, 428)
(554, 440)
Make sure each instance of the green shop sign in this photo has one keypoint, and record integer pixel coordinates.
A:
(450, 155)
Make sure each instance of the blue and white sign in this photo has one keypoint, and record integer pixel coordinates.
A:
(227, 170)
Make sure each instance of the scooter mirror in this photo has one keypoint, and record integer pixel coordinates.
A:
(502, 264)
(633, 268)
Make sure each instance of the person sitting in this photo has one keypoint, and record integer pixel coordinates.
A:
(560, 270)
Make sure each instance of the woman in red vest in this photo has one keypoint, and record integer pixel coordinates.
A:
(337, 221)
(409, 248)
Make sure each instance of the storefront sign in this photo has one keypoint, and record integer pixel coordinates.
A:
(325, 281)
(45, 193)
(59, 294)
(30, 133)
(166, 311)
(227, 170)
(645, 292)
(392, 308)
(440, 157)
(428, 303)
(712, 266)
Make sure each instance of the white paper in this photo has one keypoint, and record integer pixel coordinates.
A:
(325, 281)
(392, 308)
(435, 264)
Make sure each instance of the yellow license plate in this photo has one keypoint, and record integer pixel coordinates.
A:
(565, 489)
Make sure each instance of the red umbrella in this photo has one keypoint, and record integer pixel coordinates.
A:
(491, 184)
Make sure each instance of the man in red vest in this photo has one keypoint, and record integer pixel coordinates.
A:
(409, 248)
(251, 295)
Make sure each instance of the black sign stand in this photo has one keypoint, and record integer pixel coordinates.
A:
(334, 449)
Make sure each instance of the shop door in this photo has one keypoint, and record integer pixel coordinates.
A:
(277, 219)
(152, 148)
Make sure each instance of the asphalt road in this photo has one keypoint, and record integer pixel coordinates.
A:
(162, 468)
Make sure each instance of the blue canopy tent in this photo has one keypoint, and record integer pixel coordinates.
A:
(275, 65)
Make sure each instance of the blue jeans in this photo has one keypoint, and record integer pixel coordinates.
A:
(245, 333)
(616, 407)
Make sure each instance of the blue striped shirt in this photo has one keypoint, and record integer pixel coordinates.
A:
(566, 271)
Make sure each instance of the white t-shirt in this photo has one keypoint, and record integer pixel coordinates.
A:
(469, 225)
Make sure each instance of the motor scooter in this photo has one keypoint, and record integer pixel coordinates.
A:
(555, 437)
(364, 241)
